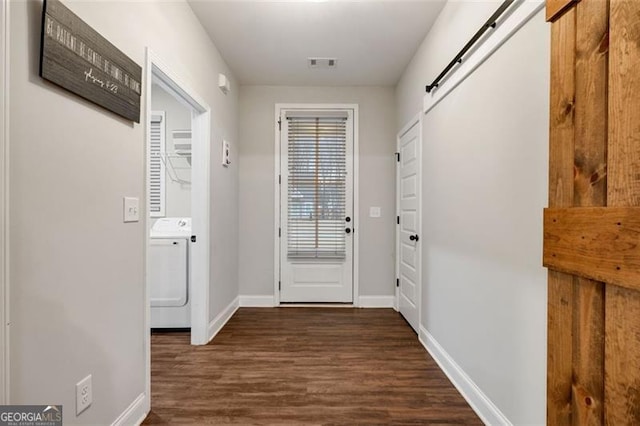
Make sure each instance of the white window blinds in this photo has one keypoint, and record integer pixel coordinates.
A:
(156, 165)
(317, 171)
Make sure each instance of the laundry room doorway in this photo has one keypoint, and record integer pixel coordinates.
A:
(169, 226)
(177, 187)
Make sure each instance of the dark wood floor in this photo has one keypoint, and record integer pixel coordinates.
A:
(312, 366)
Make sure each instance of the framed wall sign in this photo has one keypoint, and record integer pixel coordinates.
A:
(75, 57)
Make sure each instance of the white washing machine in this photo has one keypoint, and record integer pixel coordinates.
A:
(169, 273)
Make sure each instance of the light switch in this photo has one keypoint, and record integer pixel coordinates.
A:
(131, 211)
(374, 211)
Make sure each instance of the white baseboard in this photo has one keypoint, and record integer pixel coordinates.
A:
(134, 414)
(267, 301)
(376, 301)
(218, 322)
(479, 402)
(257, 301)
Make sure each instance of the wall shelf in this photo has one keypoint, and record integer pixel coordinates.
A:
(172, 162)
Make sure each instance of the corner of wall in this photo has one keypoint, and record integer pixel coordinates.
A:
(221, 319)
(479, 402)
(135, 413)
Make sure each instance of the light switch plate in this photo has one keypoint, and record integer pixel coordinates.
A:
(374, 211)
(131, 209)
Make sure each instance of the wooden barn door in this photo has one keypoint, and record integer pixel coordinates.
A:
(592, 225)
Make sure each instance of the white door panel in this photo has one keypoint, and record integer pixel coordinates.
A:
(408, 229)
(316, 243)
(325, 282)
(409, 187)
(408, 256)
(408, 220)
(168, 269)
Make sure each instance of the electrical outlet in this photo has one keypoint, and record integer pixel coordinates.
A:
(84, 394)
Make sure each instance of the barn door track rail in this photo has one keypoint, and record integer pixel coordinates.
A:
(490, 23)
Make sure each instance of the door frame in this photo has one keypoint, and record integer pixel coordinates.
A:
(157, 69)
(4, 202)
(416, 120)
(279, 107)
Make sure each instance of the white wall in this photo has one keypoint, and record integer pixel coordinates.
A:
(377, 174)
(177, 117)
(485, 153)
(76, 270)
(3, 197)
(457, 22)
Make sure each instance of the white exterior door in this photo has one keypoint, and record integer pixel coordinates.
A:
(408, 235)
(316, 199)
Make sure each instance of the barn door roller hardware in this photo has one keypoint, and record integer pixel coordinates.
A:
(491, 23)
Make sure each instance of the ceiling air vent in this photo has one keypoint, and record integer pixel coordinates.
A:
(322, 62)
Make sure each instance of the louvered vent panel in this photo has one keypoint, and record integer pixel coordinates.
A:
(156, 165)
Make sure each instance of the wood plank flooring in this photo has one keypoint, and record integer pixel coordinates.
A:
(311, 366)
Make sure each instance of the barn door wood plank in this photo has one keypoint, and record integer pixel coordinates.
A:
(555, 8)
(622, 357)
(622, 307)
(561, 152)
(559, 353)
(562, 117)
(596, 243)
(590, 168)
(592, 46)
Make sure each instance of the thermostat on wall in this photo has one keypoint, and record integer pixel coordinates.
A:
(226, 156)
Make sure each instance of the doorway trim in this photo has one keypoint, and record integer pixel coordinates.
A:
(279, 107)
(4, 202)
(157, 69)
(416, 120)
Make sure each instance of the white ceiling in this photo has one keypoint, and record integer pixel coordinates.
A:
(268, 42)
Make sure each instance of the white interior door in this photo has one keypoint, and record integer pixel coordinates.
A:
(316, 241)
(408, 235)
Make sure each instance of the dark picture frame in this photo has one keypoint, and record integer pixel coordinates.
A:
(77, 58)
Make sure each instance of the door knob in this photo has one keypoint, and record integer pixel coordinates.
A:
(414, 237)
